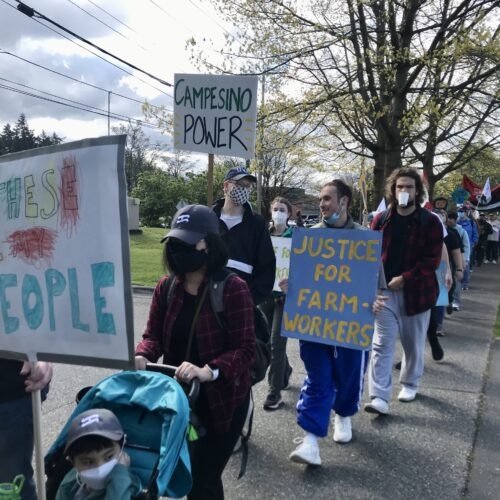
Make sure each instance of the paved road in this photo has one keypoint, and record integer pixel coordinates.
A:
(442, 446)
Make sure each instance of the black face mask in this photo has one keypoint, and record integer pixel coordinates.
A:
(185, 258)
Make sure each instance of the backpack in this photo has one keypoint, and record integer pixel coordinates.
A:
(262, 329)
(262, 344)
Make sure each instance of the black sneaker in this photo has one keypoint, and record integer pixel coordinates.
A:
(273, 402)
(437, 350)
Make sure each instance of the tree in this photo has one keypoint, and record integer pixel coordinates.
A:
(140, 154)
(21, 137)
(398, 82)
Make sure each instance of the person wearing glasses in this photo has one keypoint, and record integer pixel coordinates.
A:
(246, 235)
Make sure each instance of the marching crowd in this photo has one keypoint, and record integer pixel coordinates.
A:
(185, 331)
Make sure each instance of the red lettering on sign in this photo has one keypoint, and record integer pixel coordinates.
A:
(69, 194)
(32, 245)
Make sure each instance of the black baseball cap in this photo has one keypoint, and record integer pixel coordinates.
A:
(192, 223)
(237, 173)
(95, 422)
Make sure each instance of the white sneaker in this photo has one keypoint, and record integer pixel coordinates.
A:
(407, 394)
(307, 452)
(456, 306)
(486, 261)
(342, 432)
(378, 406)
(493, 261)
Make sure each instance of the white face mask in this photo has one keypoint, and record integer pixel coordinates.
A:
(239, 195)
(279, 218)
(95, 479)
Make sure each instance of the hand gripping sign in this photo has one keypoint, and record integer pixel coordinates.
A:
(332, 286)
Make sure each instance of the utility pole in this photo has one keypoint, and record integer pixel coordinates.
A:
(260, 160)
(109, 111)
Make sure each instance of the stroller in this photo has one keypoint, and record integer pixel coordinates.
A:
(154, 412)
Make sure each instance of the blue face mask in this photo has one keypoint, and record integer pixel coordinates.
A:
(332, 219)
(460, 214)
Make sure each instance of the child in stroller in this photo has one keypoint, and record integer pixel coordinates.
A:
(100, 466)
(153, 411)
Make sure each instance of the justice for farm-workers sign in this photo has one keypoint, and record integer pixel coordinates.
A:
(331, 286)
(215, 114)
(65, 292)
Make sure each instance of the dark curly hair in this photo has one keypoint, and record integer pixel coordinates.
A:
(390, 185)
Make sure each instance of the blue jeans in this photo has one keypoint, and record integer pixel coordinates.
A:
(16, 444)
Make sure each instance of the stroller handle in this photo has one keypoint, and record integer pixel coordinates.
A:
(194, 385)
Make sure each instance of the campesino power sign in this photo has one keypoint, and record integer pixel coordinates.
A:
(215, 114)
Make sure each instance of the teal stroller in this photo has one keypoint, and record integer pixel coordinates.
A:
(153, 410)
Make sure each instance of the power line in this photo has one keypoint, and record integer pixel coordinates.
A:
(30, 12)
(93, 53)
(99, 20)
(101, 112)
(65, 98)
(111, 15)
(79, 81)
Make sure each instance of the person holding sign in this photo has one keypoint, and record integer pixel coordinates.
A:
(412, 245)
(184, 328)
(279, 368)
(334, 374)
(17, 381)
(251, 253)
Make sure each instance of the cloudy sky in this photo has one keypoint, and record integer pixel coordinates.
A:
(150, 34)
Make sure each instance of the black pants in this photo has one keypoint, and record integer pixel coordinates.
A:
(210, 454)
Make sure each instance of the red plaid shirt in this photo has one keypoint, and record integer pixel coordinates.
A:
(421, 259)
(231, 350)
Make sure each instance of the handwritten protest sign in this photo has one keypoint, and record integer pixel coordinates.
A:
(215, 114)
(282, 251)
(442, 299)
(65, 292)
(332, 286)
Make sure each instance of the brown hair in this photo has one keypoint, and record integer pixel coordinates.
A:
(280, 199)
(342, 189)
(390, 185)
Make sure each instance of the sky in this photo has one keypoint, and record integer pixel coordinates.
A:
(151, 34)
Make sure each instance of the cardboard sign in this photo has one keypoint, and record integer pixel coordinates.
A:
(215, 114)
(332, 286)
(65, 292)
(282, 251)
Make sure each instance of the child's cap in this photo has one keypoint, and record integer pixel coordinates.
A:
(95, 422)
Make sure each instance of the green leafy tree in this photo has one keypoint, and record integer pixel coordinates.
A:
(404, 83)
(140, 155)
(21, 137)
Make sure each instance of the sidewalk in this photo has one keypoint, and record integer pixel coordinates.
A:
(445, 445)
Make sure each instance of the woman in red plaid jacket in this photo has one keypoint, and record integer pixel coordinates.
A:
(183, 328)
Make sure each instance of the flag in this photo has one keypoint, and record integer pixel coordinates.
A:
(381, 206)
(486, 194)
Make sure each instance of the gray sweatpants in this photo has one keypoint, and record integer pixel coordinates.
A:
(412, 330)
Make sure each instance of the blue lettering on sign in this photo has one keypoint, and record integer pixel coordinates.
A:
(75, 303)
(11, 322)
(55, 283)
(33, 315)
(34, 306)
(103, 275)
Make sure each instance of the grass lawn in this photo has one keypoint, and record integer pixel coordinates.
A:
(145, 256)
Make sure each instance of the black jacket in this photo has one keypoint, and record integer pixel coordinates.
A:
(250, 247)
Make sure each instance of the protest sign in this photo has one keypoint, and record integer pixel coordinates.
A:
(332, 286)
(65, 292)
(215, 114)
(282, 251)
(442, 299)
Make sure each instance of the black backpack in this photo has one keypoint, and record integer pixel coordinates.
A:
(262, 329)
